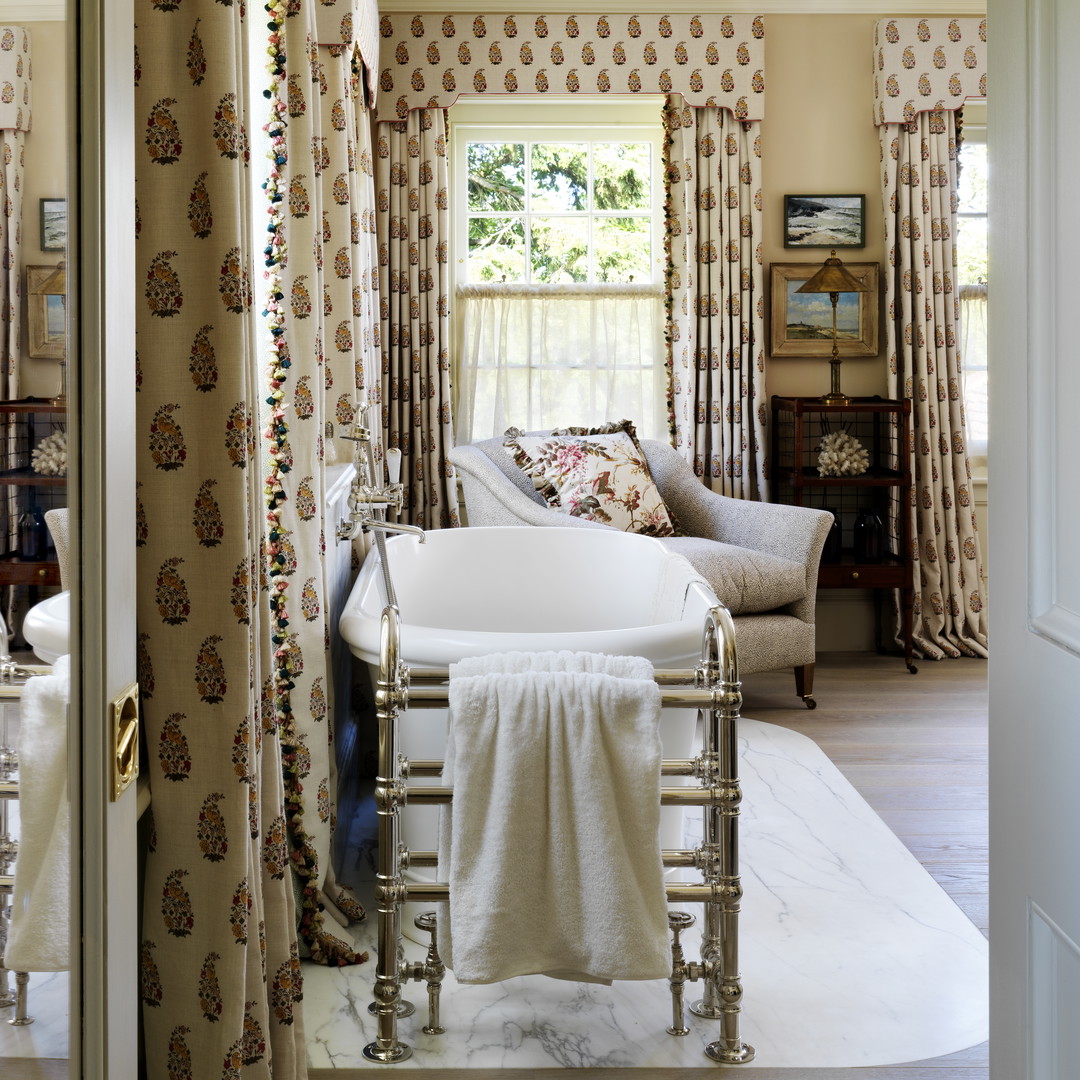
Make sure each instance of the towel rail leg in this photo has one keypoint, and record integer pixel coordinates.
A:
(722, 998)
(387, 1049)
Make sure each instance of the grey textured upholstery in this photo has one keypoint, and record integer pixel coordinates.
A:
(761, 559)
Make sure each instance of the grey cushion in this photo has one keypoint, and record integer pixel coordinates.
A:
(746, 581)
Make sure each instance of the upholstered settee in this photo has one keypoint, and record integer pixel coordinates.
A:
(761, 559)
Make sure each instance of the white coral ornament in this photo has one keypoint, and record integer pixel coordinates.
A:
(842, 455)
(49, 457)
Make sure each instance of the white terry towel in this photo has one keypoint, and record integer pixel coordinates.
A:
(40, 936)
(552, 846)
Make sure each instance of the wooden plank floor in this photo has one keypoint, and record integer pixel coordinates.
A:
(915, 747)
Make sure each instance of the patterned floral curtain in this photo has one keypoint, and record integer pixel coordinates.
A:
(716, 303)
(220, 973)
(11, 183)
(411, 186)
(920, 196)
(15, 121)
(321, 194)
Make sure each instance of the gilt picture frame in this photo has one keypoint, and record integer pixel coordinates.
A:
(824, 221)
(46, 318)
(801, 323)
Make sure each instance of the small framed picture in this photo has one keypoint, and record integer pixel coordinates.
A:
(824, 221)
(46, 317)
(802, 322)
(54, 224)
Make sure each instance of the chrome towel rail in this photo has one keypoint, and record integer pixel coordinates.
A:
(713, 689)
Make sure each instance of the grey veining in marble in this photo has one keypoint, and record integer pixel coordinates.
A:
(851, 955)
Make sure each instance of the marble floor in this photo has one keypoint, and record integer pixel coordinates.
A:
(852, 955)
(47, 1037)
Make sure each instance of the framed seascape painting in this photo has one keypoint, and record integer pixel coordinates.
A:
(826, 221)
(801, 323)
(46, 317)
(53, 224)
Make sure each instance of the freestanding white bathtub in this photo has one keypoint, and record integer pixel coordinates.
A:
(473, 591)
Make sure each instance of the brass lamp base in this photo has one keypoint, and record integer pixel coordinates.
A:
(835, 396)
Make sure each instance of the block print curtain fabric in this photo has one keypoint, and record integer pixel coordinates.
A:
(715, 322)
(919, 172)
(413, 230)
(11, 182)
(428, 60)
(220, 971)
(926, 64)
(15, 120)
(324, 337)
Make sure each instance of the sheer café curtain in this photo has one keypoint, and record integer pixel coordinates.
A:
(540, 357)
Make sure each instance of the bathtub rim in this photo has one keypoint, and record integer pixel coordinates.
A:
(669, 644)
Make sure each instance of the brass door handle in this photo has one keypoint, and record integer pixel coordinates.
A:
(124, 717)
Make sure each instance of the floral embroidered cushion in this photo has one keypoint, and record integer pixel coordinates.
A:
(599, 475)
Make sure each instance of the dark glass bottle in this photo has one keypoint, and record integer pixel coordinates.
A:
(869, 538)
(33, 536)
(834, 541)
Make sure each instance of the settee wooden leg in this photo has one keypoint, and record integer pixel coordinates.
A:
(804, 684)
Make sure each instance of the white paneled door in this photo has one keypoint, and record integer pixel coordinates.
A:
(101, 418)
(1034, 349)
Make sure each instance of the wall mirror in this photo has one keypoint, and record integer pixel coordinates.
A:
(36, 288)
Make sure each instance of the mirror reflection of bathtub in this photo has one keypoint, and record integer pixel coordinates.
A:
(45, 627)
(472, 591)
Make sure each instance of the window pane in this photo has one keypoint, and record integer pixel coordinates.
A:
(496, 249)
(560, 250)
(560, 176)
(622, 176)
(496, 176)
(623, 249)
(971, 258)
(973, 176)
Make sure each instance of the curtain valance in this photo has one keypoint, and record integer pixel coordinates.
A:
(427, 60)
(925, 65)
(15, 75)
(348, 22)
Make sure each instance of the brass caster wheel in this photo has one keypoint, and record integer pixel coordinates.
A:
(810, 702)
(912, 669)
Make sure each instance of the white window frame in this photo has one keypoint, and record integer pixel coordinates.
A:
(532, 118)
(531, 121)
(974, 132)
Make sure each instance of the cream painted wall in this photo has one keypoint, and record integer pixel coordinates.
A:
(45, 176)
(818, 138)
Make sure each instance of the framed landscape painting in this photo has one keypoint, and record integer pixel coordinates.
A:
(825, 221)
(46, 318)
(801, 323)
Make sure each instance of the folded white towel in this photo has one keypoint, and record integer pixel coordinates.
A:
(511, 663)
(40, 937)
(552, 846)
